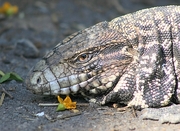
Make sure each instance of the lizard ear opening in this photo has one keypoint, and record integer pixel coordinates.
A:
(131, 51)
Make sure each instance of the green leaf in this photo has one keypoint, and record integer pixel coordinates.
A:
(16, 77)
(61, 107)
(10, 76)
(5, 78)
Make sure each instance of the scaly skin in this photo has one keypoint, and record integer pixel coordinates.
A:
(133, 59)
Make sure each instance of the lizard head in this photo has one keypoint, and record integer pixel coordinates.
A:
(89, 62)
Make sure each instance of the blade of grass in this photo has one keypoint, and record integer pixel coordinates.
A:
(1, 73)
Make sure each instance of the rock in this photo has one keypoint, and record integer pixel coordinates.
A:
(26, 48)
(169, 114)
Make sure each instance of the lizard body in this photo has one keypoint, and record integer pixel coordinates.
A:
(133, 59)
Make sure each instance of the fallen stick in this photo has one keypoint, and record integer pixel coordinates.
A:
(56, 104)
(48, 104)
(3, 90)
(2, 98)
(68, 116)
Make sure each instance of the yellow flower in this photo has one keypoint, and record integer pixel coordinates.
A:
(67, 102)
(8, 9)
(60, 100)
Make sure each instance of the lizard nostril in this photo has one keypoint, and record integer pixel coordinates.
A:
(38, 80)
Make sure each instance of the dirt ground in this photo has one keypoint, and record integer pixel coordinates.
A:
(44, 24)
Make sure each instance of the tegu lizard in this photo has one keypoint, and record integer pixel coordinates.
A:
(133, 59)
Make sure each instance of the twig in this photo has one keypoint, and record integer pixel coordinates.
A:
(48, 104)
(61, 116)
(82, 104)
(29, 119)
(56, 104)
(134, 112)
(122, 109)
(48, 117)
(69, 115)
(2, 98)
(3, 90)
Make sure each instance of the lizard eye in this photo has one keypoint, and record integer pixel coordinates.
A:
(83, 57)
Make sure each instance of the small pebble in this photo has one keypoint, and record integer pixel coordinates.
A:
(75, 111)
(40, 114)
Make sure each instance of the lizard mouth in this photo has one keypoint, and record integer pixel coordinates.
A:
(37, 83)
